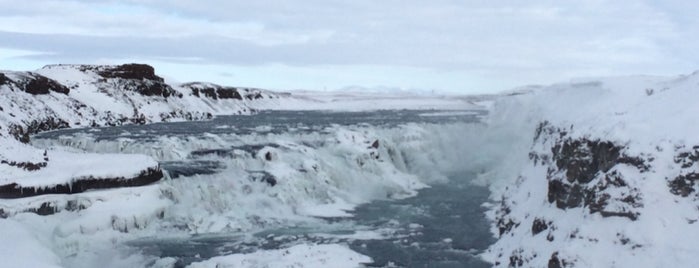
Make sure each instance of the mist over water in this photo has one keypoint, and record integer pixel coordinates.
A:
(393, 185)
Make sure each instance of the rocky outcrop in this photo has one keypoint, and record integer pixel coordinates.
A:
(580, 173)
(21, 133)
(129, 71)
(687, 182)
(28, 166)
(33, 83)
(80, 185)
(4, 79)
(139, 78)
(213, 91)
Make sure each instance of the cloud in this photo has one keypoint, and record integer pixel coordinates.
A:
(510, 40)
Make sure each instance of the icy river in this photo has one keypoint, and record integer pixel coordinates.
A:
(394, 186)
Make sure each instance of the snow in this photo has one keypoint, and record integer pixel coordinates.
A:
(66, 167)
(299, 256)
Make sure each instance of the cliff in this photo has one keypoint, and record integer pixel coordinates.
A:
(609, 178)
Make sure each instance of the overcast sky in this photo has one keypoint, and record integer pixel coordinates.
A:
(443, 45)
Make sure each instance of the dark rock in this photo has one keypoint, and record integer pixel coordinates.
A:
(28, 166)
(505, 226)
(4, 80)
(80, 185)
(228, 93)
(581, 173)
(21, 133)
(46, 208)
(375, 145)
(131, 71)
(269, 179)
(684, 185)
(565, 195)
(539, 226)
(554, 262)
(139, 78)
(254, 96)
(268, 156)
(687, 159)
(39, 84)
(263, 176)
(517, 259)
(150, 88)
(213, 91)
(582, 158)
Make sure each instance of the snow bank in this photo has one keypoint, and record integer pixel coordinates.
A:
(66, 168)
(299, 256)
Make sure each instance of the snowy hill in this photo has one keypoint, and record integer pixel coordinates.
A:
(603, 174)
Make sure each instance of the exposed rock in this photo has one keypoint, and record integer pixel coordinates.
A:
(131, 71)
(3, 79)
(263, 176)
(582, 173)
(35, 126)
(554, 262)
(40, 84)
(34, 84)
(687, 159)
(29, 166)
(213, 91)
(539, 226)
(148, 88)
(684, 185)
(80, 185)
(268, 156)
(228, 93)
(254, 96)
(582, 158)
(375, 145)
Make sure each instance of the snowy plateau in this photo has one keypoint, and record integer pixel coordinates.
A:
(589, 173)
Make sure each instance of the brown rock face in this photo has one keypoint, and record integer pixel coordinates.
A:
(132, 71)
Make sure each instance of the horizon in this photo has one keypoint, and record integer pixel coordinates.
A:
(443, 46)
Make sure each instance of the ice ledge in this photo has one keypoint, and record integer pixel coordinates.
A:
(82, 184)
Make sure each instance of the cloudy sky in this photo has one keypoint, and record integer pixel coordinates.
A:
(444, 45)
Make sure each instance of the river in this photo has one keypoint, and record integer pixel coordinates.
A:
(440, 224)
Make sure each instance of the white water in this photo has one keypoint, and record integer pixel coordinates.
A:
(326, 172)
